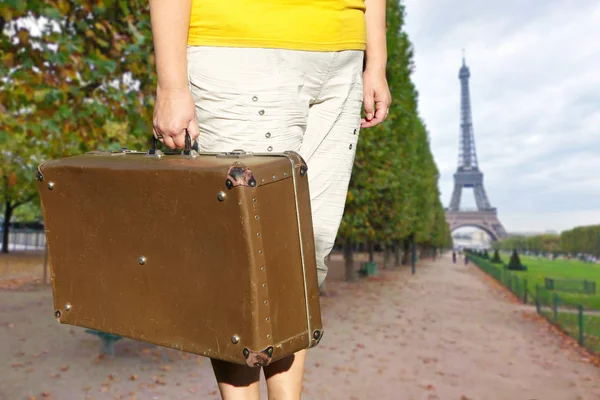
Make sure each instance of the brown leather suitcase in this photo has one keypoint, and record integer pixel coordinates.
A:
(211, 254)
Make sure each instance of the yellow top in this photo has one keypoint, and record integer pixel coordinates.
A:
(312, 25)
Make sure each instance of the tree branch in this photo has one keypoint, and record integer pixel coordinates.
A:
(25, 201)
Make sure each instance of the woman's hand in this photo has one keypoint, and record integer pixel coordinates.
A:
(377, 97)
(174, 112)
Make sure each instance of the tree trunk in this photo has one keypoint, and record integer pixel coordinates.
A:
(386, 256)
(397, 254)
(406, 251)
(371, 252)
(351, 274)
(8, 211)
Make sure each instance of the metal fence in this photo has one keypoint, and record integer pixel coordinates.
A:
(568, 315)
(571, 285)
(26, 239)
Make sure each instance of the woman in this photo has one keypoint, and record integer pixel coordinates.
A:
(271, 76)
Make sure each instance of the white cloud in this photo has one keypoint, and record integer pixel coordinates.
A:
(535, 92)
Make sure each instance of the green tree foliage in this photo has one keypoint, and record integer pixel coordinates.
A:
(76, 76)
(582, 239)
(515, 262)
(394, 191)
(579, 240)
(496, 259)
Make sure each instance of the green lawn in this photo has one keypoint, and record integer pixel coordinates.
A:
(569, 322)
(540, 268)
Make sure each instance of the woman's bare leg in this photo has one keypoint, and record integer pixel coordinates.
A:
(284, 377)
(237, 381)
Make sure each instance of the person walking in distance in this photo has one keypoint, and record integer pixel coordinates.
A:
(273, 76)
(454, 257)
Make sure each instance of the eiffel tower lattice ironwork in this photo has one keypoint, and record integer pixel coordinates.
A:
(468, 174)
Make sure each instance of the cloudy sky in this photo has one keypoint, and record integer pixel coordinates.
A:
(535, 93)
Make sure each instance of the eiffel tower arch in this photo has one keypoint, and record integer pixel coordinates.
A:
(468, 175)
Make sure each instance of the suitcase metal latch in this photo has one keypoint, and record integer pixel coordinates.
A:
(235, 153)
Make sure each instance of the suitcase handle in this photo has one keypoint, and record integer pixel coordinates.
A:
(186, 151)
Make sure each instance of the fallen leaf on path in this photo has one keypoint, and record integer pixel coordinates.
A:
(45, 394)
(133, 377)
(64, 368)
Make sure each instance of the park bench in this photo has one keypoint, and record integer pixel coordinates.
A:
(571, 285)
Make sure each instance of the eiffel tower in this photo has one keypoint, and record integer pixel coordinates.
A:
(468, 174)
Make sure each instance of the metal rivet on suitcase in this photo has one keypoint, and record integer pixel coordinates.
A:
(228, 183)
(302, 170)
(50, 185)
(57, 314)
(274, 176)
(270, 350)
(261, 112)
(317, 335)
(268, 135)
(246, 352)
(285, 174)
(267, 319)
(235, 339)
(39, 176)
(142, 260)
(256, 217)
(270, 148)
(221, 196)
(260, 252)
(350, 147)
(68, 307)
(254, 98)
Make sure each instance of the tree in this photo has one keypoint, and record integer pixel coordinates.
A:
(76, 76)
(496, 259)
(393, 195)
(515, 262)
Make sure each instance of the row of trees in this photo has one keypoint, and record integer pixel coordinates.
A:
(394, 196)
(579, 240)
(80, 75)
